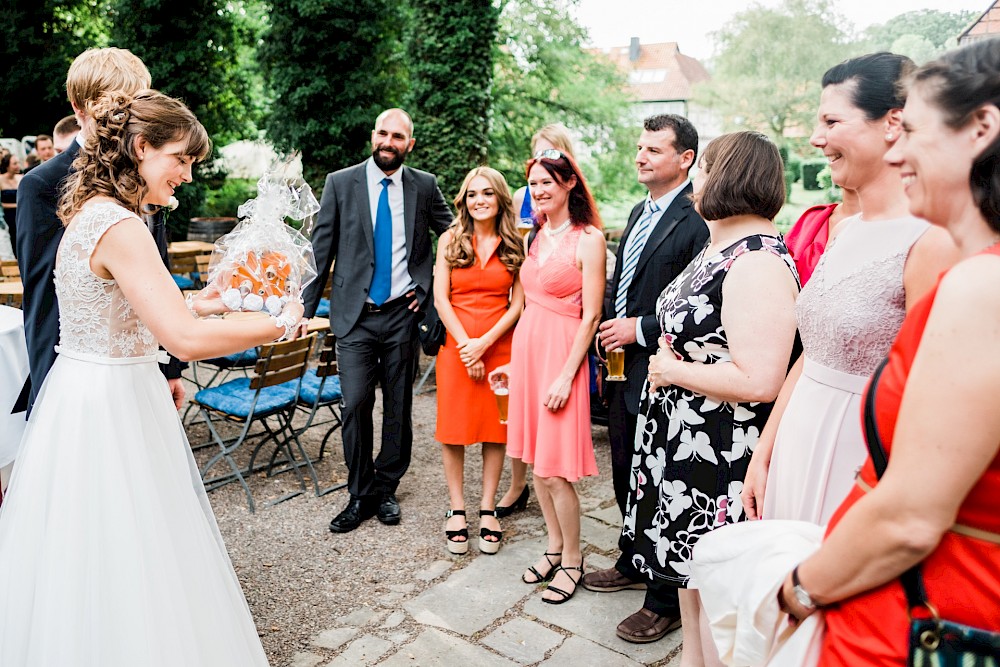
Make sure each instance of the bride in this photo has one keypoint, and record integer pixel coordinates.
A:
(109, 551)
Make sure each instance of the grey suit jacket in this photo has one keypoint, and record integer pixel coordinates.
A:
(343, 232)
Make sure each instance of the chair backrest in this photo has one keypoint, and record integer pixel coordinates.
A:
(202, 261)
(183, 262)
(280, 362)
(328, 358)
(9, 270)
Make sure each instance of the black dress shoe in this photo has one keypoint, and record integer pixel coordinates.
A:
(357, 510)
(388, 510)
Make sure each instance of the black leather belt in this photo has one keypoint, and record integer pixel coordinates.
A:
(392, 304)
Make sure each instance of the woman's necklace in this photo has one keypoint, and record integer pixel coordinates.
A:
(558, 230)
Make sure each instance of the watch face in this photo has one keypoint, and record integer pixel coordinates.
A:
(803, 597)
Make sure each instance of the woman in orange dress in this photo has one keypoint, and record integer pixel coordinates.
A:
(478, 297)
(935, 403)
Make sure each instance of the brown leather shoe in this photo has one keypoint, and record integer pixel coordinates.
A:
(644, 627)
(609, 581)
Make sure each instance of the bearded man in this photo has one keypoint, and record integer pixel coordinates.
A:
(375, 220)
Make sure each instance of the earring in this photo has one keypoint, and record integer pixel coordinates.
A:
(888, 136)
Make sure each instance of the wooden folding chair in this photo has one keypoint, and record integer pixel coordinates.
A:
(272, 392)
(320, 391)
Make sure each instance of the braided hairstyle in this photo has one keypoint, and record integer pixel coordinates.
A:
(959, 83)
(107, 164)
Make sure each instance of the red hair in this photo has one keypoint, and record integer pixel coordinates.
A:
(582, 207)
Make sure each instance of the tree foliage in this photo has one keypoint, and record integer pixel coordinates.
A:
(38, 41)
(542, 75)
(939, 29)
(331, 66)
(770, 63)
(451, 67)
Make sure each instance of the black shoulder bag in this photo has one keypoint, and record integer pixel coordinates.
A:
(431, 331)
(933, 640)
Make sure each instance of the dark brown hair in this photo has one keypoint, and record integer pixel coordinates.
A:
(582, 207)
(876, 79)
(459, 252)
(744, 176)
(959, 83)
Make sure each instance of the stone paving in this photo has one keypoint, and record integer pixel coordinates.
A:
(473, 610)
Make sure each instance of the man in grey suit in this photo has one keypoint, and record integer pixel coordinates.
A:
(664, 233)
(375, 220)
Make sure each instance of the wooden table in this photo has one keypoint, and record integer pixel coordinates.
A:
(178, 247)
(11, 293)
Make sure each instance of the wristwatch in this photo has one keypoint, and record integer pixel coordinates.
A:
(802, 595)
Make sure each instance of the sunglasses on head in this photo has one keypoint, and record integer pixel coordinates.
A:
(549, 154)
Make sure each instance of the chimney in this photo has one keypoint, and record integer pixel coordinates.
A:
(633, 50)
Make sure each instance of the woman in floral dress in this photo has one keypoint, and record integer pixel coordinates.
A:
(723, 356)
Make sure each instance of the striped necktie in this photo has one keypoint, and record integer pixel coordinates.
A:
(633, 249)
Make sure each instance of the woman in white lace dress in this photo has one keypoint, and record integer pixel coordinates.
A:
(109, 552)
(876, 265)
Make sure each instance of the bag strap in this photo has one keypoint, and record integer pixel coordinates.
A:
(913, 583)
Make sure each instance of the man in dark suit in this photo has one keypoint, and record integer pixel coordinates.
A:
(663, 235)
(375, 220)
(92, 73)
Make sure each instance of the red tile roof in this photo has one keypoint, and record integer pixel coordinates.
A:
(661, 72)
(988, 25)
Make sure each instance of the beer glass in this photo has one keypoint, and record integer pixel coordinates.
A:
(524, 226)
(615, 361)
(500, 391)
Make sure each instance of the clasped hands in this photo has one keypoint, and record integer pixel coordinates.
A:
(663, 366)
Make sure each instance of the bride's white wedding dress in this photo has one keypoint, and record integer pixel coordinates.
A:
(109, 552)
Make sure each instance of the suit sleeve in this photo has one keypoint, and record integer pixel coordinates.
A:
(441, 214)
(325, 236)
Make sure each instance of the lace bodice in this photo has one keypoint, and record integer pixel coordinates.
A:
(94, 315)
(851, 309)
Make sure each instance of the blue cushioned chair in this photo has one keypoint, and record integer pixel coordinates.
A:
(219, 369)
(323, 309)
(320, 391)
(270, 395)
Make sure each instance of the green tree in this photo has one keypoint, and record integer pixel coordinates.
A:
(939, 28)
(451, 67)
(192, 51)
(332, 66)
(542, 74)
(770, 63)
(38, 41)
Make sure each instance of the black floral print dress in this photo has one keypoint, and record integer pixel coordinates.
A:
(692, 451)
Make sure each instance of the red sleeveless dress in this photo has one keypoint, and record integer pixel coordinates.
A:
(961, 576)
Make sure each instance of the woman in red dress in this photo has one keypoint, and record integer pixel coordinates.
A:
(936, 400)
(479, 298)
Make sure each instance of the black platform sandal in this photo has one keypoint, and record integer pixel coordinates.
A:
(564, 596)
(539, 577)
(457, 547)
(488, 546)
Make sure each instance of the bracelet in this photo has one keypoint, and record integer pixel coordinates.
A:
(287, 322)
(189, 302)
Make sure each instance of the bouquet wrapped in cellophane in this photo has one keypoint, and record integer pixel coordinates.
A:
(263, 262)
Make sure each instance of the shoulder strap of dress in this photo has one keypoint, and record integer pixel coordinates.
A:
(96, 218)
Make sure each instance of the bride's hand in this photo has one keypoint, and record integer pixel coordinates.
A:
(208, 302)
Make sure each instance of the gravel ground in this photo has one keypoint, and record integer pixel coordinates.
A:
(299, 577)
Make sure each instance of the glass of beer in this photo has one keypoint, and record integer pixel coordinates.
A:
(500, 391)
(524, 226)
(615, 361)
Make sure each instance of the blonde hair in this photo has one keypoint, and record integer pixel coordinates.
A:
(107, 163)
(556, 134)
(98, 71)
(459, 252)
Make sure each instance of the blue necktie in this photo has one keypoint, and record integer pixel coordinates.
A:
(633, 249)
(382, 278)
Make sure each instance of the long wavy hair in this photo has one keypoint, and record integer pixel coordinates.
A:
(582, 207)
(107, 164)
(459, 252)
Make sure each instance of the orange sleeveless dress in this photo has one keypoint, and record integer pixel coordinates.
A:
(467, 411)
(961, 576)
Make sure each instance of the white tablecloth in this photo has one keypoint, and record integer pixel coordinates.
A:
(13, 371)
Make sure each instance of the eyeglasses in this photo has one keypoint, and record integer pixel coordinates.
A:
(549, 154)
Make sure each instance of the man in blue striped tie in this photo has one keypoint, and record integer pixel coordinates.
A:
(664, 233)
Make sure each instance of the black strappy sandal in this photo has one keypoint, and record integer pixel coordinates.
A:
(457, 547)
(564, 596)
(488, 546)
(539, 577)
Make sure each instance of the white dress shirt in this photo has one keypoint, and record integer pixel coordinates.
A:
(401, 280)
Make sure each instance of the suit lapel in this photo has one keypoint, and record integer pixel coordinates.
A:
(677, 210)
(364, 205)
(409, 207)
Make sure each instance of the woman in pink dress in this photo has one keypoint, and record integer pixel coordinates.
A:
(548, 422)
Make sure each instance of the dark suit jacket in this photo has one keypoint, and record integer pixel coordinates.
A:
(39, 232)
(343, 232)
(678, 237)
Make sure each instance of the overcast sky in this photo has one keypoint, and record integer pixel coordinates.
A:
(614, 22)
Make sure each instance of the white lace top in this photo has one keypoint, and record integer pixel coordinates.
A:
(94, 316)
(853, 305)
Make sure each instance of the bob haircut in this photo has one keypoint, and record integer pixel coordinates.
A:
(744, 176)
